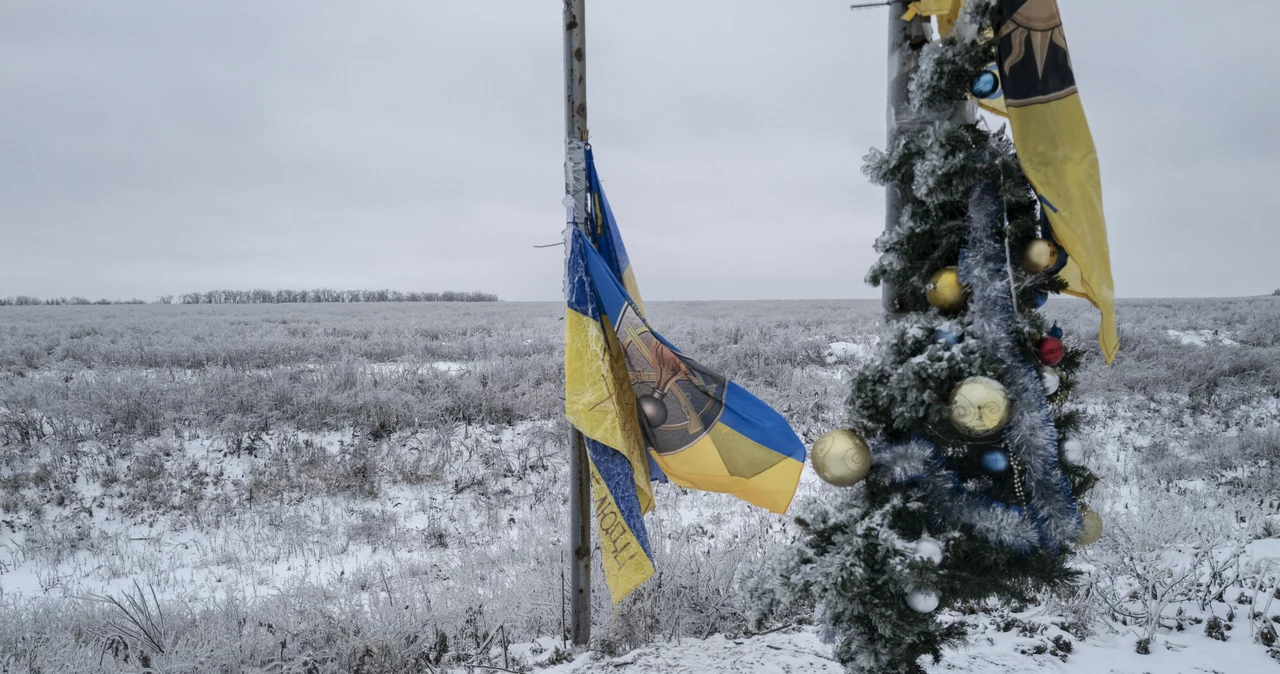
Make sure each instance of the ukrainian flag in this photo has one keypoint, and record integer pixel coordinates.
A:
(599, 403)
(608, 242)
(604, 233)
(640, 402)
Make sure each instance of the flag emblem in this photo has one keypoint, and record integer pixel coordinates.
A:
(1035, 29)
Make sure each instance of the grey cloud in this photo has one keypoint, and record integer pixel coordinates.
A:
(151, 147)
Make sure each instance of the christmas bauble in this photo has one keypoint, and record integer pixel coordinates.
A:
(1073, 452)
(945, 291)
(1050, 350)
(979, 406)
(923, 601)
(841, 457)
(655, 411)
(1040, 256)
(985, 85)
(1092, 530)
(995, 461)
(944, 336)
(927, 548)
(1051, 379)
(1039, 299)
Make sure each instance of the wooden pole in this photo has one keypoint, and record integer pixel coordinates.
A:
(906, 38)
(575, 120)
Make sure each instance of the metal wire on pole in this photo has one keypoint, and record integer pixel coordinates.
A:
(575, 119)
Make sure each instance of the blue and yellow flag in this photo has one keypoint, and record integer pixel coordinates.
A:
(598, 403)
(638, 400)
(604, 234)
(1056, 151)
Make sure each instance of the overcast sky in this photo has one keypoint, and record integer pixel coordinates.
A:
(163, 147)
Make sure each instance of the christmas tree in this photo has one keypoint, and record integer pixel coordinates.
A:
(969, 485)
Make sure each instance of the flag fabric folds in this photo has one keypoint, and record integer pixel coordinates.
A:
(645, 408)
(1056, 150)
(604, 233)
(608, 242)
(596, 382)
(947, 11)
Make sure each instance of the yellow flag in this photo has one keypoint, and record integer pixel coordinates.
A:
(1056, 151)
(947, 11)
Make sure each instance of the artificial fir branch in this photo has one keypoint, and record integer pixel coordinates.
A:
(965, 202)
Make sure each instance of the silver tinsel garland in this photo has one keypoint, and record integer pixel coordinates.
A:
(1051, 518)
(1031, 436)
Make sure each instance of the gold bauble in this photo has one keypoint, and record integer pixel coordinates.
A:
(841, 457)
(1040, 256)
(1092, 530)
(945, 290)
(979, 406)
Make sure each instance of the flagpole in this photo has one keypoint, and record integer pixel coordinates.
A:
(906, 38)
(575, 119)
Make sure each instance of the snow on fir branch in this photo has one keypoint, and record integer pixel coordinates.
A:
(947, 514)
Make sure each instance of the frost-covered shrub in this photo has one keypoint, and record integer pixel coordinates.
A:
(1169, 562)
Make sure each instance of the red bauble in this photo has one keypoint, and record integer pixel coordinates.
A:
(1051, 351)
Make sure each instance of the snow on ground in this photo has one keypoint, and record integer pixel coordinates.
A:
(449, 367)
(1202, 338)
(489, 527)
(253, 549)
(800, 650)
(842, 354)
(848, 352)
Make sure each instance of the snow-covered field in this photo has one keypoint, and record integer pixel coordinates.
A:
(993, 651)
(381, 489)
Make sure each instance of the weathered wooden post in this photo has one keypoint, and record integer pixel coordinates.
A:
(575, 122)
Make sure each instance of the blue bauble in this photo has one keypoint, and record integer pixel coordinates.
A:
(944, 336)
(995, 461)
(1060, 264)
(1040, 299)
(985, 85)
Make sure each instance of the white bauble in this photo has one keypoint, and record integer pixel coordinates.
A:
(1073, 452)
(1051, 379)
(927, 548)
(923, 601)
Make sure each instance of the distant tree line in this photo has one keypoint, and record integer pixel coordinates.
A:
(28, 301)
(326, 295)
(266, 297)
